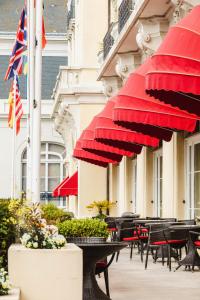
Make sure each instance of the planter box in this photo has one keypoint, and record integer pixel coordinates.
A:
(14, 294)
(46, 274)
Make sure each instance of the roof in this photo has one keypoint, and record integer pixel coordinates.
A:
(50, 65)
(55, 14)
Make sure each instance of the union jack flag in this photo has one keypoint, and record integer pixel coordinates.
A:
(15, 105)
(20, 46)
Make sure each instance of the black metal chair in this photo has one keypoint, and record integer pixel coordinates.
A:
(112, 227)
(102, 267)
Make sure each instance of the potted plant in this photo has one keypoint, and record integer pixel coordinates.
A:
(84, 230)
(101, 207)
(4, 282)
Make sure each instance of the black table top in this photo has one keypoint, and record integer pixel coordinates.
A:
(189, 227)
(107, 244)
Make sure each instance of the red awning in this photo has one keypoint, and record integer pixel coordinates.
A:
(70, 186)
(88, 143)
(138, 111)
(55, 191)
(111, 134)
(89, 157)
(174, 76)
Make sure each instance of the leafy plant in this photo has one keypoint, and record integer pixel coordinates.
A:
(84, 228)
(101, 207)
(7, 230)
(4, 282)
(55, 215)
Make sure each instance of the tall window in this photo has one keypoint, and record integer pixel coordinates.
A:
(158, 178)
(193, 176)
(134, 190)
(52, 171)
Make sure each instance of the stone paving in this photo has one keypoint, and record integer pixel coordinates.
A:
(129, 280)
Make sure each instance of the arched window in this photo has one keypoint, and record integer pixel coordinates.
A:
(52, 171)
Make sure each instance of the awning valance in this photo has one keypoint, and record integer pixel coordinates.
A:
(89, 157)
(174, 75)
(70, 186)
(106, 131)
(90, 144)
(55, 192)
(138, 111)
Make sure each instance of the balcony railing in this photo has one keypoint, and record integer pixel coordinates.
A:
(108, 41)
(71, 13)
(124, 13)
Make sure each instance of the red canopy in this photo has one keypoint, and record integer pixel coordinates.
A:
(69, 187)
(88, 143)
(111, 134)
(86, 156)
(174, 76)
(55, 191)
(138, 111)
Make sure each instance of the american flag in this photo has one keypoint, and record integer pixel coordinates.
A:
(15, 105)
(20, 46)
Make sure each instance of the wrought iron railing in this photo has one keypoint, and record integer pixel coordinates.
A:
(124, 13)
(108, 41)
(71, 13)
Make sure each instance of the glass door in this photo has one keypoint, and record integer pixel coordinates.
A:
(193, 177)
(158, 178)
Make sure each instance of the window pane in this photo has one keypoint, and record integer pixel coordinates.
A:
(197, 157)
(23, 184)
(24, 170)
(42, 170)
(56, 148)
(24, 155)
(54, 170)
(53, 183)
(43, 147)
(197, 193)
(51, 156)
(42, 184)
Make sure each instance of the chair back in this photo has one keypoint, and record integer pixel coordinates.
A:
(156, 236)
(176, 234)
(188, 222)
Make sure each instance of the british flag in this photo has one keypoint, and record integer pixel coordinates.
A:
(20, 46)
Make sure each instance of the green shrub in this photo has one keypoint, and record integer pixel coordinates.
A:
(84, 228)
(7, 230)
(55, 215)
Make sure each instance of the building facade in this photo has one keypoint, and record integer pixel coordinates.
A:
(52, 147)
(161, 182)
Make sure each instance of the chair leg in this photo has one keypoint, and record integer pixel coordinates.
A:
(142, 251)
(147, 256)
(169, 258)
(131, 254)
(162, 253)
(117, 256)
(107, 282)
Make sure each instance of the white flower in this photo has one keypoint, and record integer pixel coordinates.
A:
(35, 245)
(29, 245)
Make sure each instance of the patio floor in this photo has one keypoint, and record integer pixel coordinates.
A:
(129, 280)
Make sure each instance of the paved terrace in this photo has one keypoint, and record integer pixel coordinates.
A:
(129, 281)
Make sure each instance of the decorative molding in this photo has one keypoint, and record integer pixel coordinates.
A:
(150, 34)
(127, 63)
(111, 85)
(181, 8)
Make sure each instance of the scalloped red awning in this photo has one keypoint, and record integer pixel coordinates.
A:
(111, 134)
(136, 110)
(174, 75)
(69, 187)
(89, 157)
(55, 191)
(88, 143)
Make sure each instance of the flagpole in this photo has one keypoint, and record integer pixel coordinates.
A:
(37, 105)
(30, 92)
(13, 194)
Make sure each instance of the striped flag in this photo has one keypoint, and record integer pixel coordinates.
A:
(15, 104)
(20, 45)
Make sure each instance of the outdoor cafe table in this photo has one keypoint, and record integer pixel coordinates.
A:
(91, 254)
(192, 257)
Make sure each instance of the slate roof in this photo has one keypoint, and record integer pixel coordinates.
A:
(50, 71)
(55, 14)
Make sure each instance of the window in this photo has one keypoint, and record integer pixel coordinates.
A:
(134, 189)
(193, 176)
(158, 178)
(52, 171)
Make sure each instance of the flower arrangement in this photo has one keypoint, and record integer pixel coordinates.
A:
(4, 282)
(37, 234)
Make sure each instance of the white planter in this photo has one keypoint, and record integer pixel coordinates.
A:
(45, 274)
(14, 294)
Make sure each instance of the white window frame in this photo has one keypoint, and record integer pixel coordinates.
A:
(189, 183)
(156, 187)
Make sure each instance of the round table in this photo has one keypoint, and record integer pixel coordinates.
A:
(192, 257)
(91, 254)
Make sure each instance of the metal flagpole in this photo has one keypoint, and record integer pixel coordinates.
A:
(37, 105)
(13, 192)
(30, 91)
